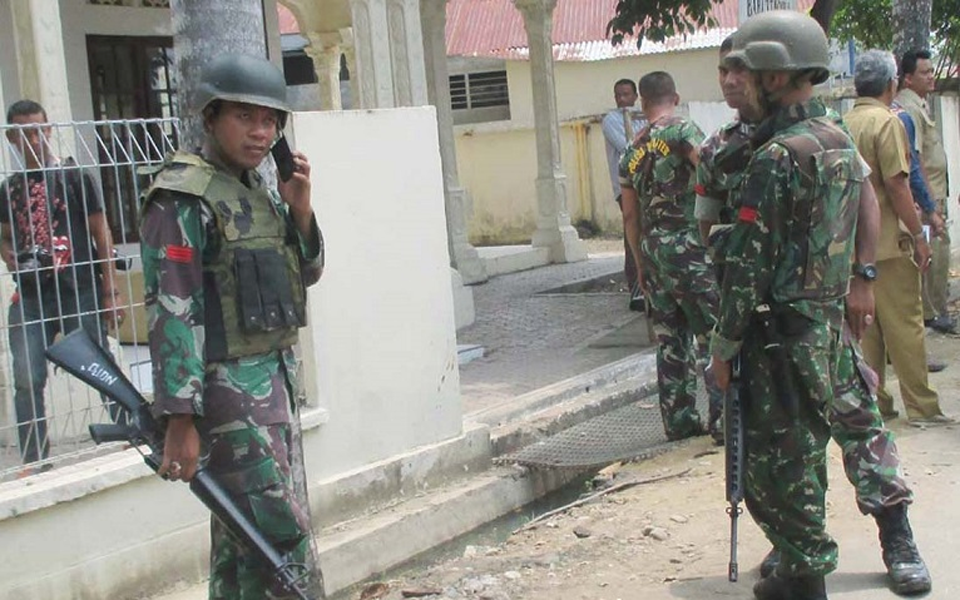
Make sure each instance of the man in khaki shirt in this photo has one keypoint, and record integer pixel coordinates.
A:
(916, 82)
(898, 330)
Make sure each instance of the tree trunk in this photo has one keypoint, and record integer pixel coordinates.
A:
(203, 29)
(823, 11)
(911, 25)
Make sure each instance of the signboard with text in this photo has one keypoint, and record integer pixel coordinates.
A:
(748, 8)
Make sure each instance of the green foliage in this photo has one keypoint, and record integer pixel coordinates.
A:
(657, 20)
(869, 23)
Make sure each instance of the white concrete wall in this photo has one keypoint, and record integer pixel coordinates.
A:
(949, 120)
(380, 360)
(382, 325)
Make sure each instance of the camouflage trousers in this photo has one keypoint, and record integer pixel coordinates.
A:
(684, 300)
(253, 463)
(870, 457)
(785, 476)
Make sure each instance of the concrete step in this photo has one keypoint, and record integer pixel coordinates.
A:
(383, 538)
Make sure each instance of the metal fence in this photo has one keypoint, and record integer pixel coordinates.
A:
(63, 184)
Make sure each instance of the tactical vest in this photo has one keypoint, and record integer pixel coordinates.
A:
(254, 297)
(825, 210)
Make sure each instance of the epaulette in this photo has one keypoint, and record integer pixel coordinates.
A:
(185, 173)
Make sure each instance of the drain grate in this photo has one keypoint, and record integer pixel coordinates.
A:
(633, 431)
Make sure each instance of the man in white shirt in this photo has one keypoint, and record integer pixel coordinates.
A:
(620, 125)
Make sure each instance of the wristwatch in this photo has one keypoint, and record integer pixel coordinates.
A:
(866, 272)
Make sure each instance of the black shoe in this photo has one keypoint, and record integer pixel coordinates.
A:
(769, 563)
(943, 324)
(637, 303)
(907, 572)
(935, 366)
(780, 587)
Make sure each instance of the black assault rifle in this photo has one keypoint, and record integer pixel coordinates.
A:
(80, 356)
(734, 450)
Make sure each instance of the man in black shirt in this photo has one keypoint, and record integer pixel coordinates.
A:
(55, 240)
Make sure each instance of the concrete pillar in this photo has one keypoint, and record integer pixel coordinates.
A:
(350, 56)
(372, 46)
(406, 52)
(433, 16)
(324, 50)
(554, 230)
(38, 42)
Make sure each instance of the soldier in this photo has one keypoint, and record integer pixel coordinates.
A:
(226, 262)
(786, 273)
(657, 175)
(870, 456)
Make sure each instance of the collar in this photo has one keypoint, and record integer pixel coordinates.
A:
(908, 97)
(870, 102)
(786, 117)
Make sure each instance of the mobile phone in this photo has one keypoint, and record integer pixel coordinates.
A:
(283, 158)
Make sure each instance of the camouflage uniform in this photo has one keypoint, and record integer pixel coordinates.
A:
(791, 248)
(242, 401)
(683, 295)
(870, 457)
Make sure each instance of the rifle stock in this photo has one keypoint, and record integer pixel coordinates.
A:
(734, 454)
(79, 355)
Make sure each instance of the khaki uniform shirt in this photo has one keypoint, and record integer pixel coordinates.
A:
(929, 145)
(882, 141)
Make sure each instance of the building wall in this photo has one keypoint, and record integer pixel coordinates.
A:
(586, 88)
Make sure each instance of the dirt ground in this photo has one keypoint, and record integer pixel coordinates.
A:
(670, 539)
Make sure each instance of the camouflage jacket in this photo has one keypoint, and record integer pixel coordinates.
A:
(723, 159)
(793, 239)
(657, 166)
(178, 236)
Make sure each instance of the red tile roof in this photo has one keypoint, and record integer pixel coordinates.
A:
(494, 28)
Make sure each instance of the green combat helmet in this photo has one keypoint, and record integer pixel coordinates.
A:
(243, 78)
(782, 40)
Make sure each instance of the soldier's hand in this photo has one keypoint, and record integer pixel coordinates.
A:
(181, 449)
(296, 191)
(937, 226)
(721, 372)
(860, 306)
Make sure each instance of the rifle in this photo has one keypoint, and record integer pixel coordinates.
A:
(734, 451)
(651, 334)
(784, 383)
(79, 355)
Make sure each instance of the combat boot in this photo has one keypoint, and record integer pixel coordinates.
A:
(781, 587)
(906, 570)
(769, 563)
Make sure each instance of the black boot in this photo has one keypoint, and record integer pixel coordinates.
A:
(906, 570)
(780, 587)
(769, 563)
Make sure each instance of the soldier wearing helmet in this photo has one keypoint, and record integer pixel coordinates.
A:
(786, 275)
(226, 264)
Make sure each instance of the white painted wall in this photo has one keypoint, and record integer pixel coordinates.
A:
(948, 116)
(382, 331)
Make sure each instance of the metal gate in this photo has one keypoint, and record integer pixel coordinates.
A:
(54, 181)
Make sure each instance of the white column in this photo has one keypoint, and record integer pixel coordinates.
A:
(350, 57)
(38, 41)
(324, 50)
(554, 230)
(372, 47)
(406, 52)
(464, 256)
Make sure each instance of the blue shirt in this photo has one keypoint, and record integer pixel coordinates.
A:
(918, 187)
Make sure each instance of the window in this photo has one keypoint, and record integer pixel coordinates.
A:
(481, 96)
(130, 78)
